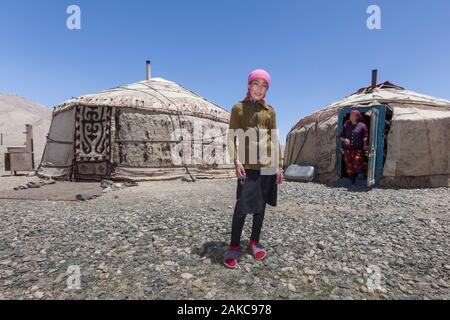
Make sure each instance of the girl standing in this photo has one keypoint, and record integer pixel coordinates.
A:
(258, 176)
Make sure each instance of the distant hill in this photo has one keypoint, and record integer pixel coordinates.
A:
(15, 112)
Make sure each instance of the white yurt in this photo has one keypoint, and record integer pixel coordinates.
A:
(152, 129)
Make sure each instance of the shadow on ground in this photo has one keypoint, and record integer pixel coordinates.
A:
(359, 186)
(215, 250)
(8, 175)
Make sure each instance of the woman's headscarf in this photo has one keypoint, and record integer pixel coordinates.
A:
(357, 113)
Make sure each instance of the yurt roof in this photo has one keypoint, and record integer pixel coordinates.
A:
(388, 92)
(384, 93)
(156, 94)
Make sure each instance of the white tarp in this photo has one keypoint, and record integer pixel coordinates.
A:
(58, 154)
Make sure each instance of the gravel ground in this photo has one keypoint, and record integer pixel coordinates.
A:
(166, 240)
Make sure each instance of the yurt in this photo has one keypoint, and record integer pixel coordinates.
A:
(409, 137)
(153, 129)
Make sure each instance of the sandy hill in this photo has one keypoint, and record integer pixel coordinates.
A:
(15, 112)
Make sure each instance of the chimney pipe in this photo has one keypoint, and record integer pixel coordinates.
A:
(149, 69)
(374, 78)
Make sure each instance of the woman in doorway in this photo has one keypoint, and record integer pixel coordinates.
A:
(354, 139)
(257, 179)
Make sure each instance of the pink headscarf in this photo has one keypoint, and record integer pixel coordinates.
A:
(258, 74)
(357, 114)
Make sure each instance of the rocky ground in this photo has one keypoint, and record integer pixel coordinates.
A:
(166, 240)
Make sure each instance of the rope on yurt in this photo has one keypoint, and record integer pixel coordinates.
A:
(193, 94)
(303, 144)
(179, 124)
(178, 115)
(173, 124)
(197, 95)
(145, 92)
(317, 123)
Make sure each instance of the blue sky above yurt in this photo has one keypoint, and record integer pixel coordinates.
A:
(316, 51)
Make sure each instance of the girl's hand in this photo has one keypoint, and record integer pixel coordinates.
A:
(280, 176)
(240, 170)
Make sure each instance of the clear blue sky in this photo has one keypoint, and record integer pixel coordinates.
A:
(316, 51)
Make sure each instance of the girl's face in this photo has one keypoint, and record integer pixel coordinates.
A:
(258, 89)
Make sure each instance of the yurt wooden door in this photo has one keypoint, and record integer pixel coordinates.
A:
(374, 118)
(92, 143)
(373, 146)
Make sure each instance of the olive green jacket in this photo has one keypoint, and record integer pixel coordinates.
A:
(259, 130)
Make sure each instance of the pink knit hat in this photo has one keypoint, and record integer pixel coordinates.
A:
(259, 73)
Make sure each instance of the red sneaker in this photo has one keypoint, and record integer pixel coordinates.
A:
(258, 252)
(231, 257)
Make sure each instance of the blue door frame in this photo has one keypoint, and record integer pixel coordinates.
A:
(376, 141)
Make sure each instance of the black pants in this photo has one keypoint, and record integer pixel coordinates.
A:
(238, 225)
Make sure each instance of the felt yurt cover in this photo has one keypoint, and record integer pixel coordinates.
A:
(127, 132)
(418, 140)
